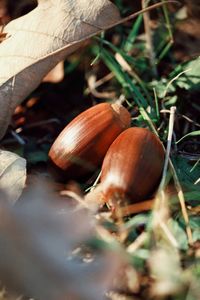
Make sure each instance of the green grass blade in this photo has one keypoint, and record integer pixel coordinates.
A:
(133, 34)
(193, 133)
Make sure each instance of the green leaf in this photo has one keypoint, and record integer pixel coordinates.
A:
(171, 101)
(160, 87)
(189, 75)
(187, 177)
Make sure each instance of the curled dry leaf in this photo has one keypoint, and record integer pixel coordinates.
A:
(12, 175)
(37, 41)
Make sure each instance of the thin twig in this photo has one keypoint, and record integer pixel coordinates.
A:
(91, 80)
(189, 120)
(142, 11)
(100, 82)
(136, 208)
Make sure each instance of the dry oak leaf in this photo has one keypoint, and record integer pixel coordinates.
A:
(36, 42)
(12, 175)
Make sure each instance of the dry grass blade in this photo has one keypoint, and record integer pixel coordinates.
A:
(161, 209)
(169, 142)
(160, 198)
(182, 203)
(135, 208)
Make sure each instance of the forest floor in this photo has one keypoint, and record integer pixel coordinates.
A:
(151, 65)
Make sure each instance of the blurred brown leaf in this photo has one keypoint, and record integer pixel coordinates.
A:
(37, 240)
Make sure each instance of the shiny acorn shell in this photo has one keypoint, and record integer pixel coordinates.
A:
(132, 167)
(83, 143)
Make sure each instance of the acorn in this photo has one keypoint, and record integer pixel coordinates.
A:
(83, 143)
(132, 167)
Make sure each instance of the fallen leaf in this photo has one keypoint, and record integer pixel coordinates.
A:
(37, 42)
(12, 175)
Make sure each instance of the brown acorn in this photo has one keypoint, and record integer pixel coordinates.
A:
(83, 143)
(132, 166)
